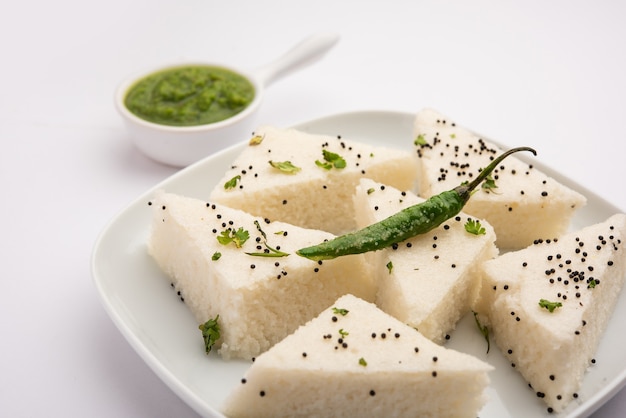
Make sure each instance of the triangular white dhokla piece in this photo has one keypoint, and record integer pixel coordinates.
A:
(525, 205)
(307, 179)
(548, 305)
(260, 299)
(429, 281)
(354, 360)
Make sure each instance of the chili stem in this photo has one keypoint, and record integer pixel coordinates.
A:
(466, 189)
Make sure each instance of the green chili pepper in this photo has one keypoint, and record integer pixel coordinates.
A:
(409, 222)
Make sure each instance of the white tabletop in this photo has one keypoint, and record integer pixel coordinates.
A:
(544, 74)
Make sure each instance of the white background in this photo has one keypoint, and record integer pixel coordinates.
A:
(546, 74)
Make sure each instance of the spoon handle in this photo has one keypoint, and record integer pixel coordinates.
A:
(305, 53)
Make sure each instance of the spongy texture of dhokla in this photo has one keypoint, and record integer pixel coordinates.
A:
(354, 360)
(429, 281)
(259, 299)
(584, 272)
(317, 194)
(526, 205)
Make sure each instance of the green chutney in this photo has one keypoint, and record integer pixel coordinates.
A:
(189, 95)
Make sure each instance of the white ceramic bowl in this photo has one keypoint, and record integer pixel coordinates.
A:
(182, 145)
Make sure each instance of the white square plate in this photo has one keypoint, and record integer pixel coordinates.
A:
(141, 303)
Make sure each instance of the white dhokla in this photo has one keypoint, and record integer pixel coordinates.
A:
(429, 281)
(354, 360)
(525, 205)
(548, 305)
(300, 178)
(259, 299)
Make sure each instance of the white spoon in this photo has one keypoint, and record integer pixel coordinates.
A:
(182, 145)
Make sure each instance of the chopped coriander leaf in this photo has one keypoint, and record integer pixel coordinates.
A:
(483, 330)
(216, 256)
(474, 227)
(489, 183)
(232, 182)
(210, 332)
(238, 237)
(285, 166)
(390, 266)
(551, 306)
(340, 311)
(362, 362)
(343, 333)
(420, 140)
(370, 190)
(338, 161)
(592, 284)
(331, 160)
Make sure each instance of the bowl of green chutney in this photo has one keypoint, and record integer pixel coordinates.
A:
(178, 114)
